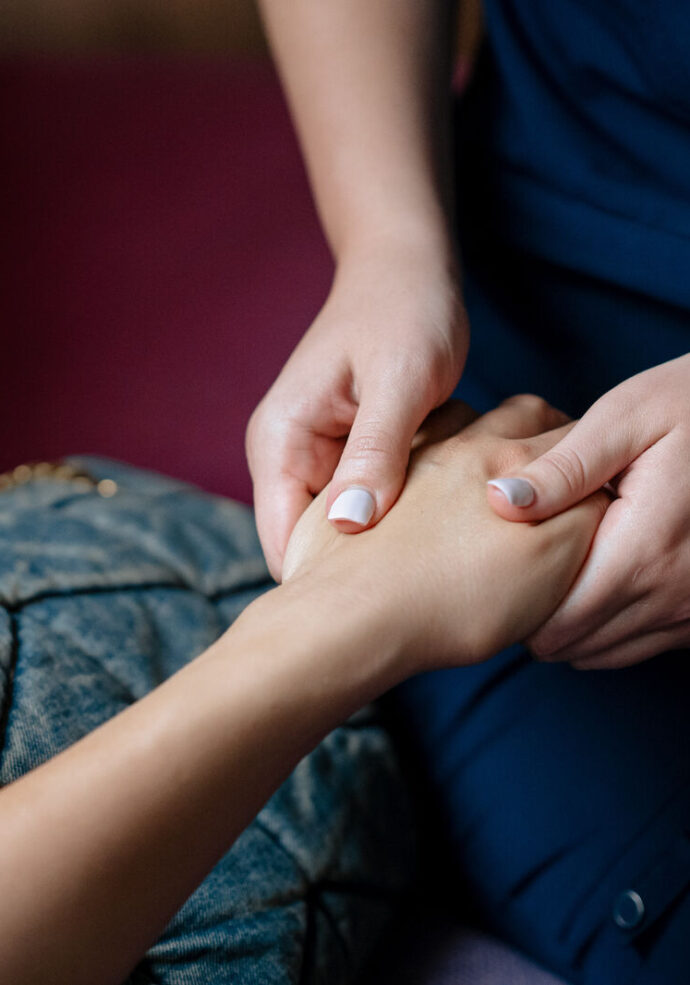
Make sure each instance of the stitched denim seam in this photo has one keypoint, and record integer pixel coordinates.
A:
(221, 593)
(308, 944)
(216, 596)
(14, 656)
(14, 608)
(77, 591)
(311, 896)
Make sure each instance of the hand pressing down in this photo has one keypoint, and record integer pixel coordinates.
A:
(387, 348)
(455, 582)
(631, 600)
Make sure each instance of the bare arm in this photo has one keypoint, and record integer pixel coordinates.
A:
(102, 844)
(368, 83)
(369, 86)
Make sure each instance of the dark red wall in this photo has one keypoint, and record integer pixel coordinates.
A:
(161, 257)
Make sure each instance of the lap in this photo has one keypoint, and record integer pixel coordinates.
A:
(559, 791)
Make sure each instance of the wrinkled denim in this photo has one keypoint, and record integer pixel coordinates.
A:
(100, 601)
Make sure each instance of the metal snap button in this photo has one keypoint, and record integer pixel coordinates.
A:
(628, 910)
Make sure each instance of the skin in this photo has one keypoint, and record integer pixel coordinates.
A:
(411, 556)
(103, 843)
(630, 601)
(368, 88)
(368, 85)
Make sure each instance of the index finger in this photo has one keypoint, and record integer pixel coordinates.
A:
(278, 505)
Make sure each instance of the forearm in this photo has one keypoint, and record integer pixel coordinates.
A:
(368, 85)
(101, 845)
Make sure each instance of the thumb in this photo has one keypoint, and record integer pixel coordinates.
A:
(372, 468)
(596, 449)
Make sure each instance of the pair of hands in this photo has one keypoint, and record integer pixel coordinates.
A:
(387, 348)
(441, 580)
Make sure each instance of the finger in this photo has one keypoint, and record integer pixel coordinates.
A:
(603, 591)
(289, 464)
(521, 416)
(278, 506)
(597, 448)
(636, 650)
(626, 588)
(565, 542)
(372, 469)
(605, 627)
(541, 443)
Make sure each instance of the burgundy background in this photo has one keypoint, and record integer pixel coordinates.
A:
(161, 258)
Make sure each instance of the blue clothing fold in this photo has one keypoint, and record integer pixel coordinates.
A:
(565, 795)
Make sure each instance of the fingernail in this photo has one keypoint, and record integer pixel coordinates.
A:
(518, 492)
(355, 505)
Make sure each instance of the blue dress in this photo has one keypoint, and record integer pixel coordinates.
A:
(565, 795)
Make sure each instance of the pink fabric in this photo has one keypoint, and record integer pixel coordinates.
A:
(161, 257)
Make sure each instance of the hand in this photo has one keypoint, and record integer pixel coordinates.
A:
(455, 583)
(387, 348)
(632, 597)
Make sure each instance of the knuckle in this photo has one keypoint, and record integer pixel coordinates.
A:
(259, 422)
(519, 452)
(266, 441)
(505, 456)
(530, 402)
(269, 423)
(253, 434)
(406, 377)
(369, 444)
(254, 423)
(252, 437)
(568, 467)
(441, 372)
(542, 415)
(422, 375)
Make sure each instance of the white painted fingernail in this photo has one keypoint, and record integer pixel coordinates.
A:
(354, 504)
(518, 492)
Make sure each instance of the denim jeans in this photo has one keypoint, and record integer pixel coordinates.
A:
(101, 599)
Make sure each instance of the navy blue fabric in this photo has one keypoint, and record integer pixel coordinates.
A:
(558, 789)
(578, 135)
(541, 328)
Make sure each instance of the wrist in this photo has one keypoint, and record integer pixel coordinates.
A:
(423, 269)
(321, 643)
(401, 239)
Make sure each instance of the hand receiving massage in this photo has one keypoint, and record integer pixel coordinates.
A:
(101, 844)
(630, 601)
(453, 583)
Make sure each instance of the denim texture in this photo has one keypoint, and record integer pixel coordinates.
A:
(100, 601)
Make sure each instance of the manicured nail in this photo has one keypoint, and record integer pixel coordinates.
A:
(518, 492)
(354, 504)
